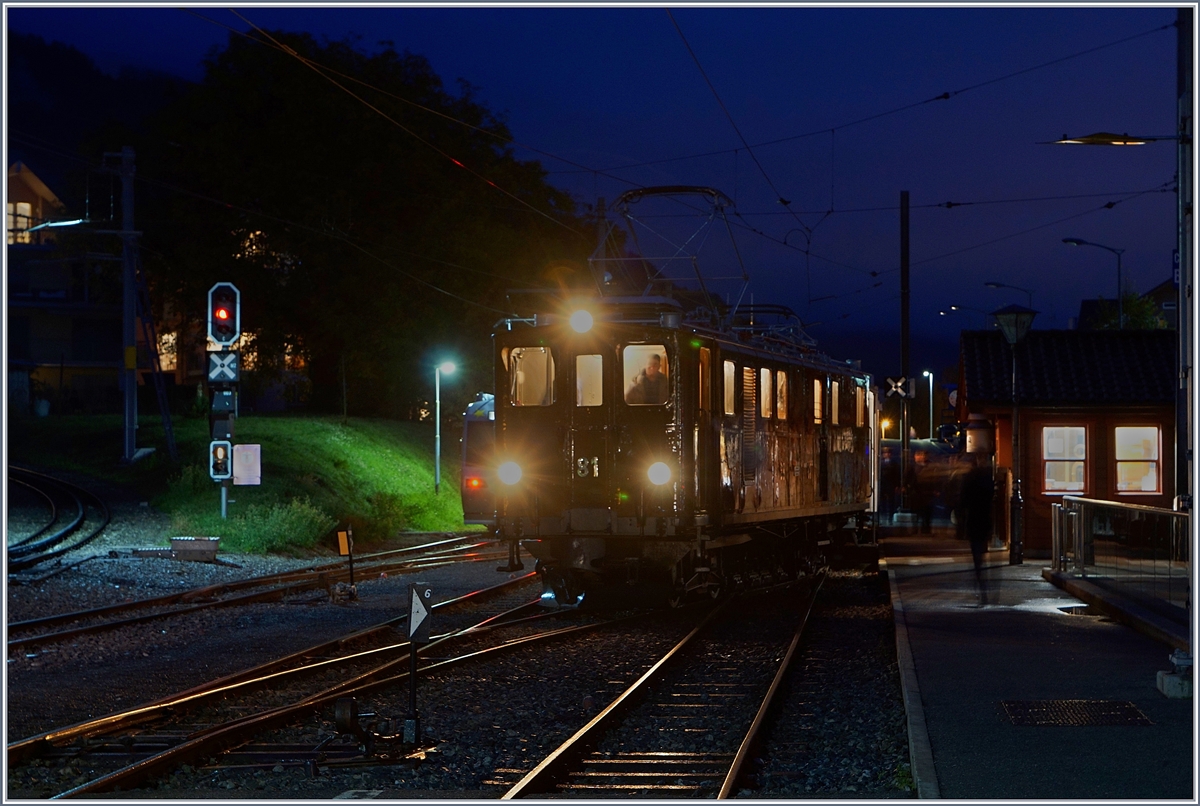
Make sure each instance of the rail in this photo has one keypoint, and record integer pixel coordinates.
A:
(1140, 552)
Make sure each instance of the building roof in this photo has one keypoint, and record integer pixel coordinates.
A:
(19, 172)
(1070, 368)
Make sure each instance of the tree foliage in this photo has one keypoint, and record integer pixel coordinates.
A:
(367, 234)
(1140, 313)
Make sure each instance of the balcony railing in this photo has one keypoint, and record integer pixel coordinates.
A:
(1143, 553)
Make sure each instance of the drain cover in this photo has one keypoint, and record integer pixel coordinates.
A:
(1073, 713)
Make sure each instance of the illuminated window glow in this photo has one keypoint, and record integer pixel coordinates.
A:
(1137, 455)
(1064, 459)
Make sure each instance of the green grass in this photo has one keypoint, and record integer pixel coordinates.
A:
(319, 474)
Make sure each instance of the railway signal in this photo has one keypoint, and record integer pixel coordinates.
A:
(224, 313)
(220, 459)
(420, 602)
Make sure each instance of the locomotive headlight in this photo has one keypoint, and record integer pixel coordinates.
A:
(659, 473)
(581, 321)
(509, 473)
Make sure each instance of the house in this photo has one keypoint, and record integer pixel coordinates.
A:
(1096, 416)
(64, 309)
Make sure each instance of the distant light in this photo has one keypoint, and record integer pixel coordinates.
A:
(1105, 139)
(475, 483)
(509, 473)
(581, 321)
(447, 367)
(927, 374)
(659, 473)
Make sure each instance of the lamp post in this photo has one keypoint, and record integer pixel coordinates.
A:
(1028, 293)
(448, 368)
(1117, 252)
(929, 375)
(1015, 321)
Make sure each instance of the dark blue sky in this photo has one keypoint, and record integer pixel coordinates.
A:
(612, 87)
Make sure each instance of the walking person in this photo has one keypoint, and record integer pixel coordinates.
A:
(976, 503)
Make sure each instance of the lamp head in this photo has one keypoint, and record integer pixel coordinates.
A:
(926, 374)
(1075, 241)
(447, 367)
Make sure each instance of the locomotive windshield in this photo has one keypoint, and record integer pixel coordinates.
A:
(531, 376)
(646, 373)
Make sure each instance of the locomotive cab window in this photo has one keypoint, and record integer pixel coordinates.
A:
(764, 391)
(589, 380)
(730, 397)
(646, 374)
(531, 376)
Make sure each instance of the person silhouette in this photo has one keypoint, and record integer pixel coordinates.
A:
(650, 385)
(975, 500)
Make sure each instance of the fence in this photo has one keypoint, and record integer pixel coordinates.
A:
(1141, 552)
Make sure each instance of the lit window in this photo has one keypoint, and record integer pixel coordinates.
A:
(860, 406)
(818, 411)
(764, 400)
(781, 394)
(1137, 459)
(1064, 459)
(646, 374)
(589, 380)
(833, 404)
(531, 378)
(730, 375)
(167, 358)
(20, 219)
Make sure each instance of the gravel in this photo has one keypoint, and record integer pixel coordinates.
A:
(490, 722)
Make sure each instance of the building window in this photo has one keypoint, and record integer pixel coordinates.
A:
(1137, 458)
(167, 357)
(764, 392)
(1064, 459)
(589, 380)
(818, 412)
(20, 219)
(730, 375)
(531, 382)
(781, 394)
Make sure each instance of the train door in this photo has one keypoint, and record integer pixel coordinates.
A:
(589, 444)
(648, 450)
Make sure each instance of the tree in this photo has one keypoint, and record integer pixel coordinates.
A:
(1140, 312)
(362, 237)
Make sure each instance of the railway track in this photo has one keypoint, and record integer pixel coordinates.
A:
(76, 517)
(229, 712)
(272, 587)
(689, 725)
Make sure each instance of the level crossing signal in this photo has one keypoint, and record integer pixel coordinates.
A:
(224, 313)
(220, 459)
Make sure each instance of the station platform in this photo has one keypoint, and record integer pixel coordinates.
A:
(1033, 695)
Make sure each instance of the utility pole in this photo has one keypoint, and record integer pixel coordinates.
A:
(129, 302)
(904, 445)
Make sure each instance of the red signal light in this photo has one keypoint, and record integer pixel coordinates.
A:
(222, 313)
(474, 483)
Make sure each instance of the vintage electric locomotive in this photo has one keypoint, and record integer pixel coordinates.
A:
(638, 444)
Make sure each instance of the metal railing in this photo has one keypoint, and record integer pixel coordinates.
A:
(1138, 551)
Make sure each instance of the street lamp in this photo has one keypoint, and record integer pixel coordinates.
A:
(961, 308)
(1028, 293)
(447, 367)
(929, 375)
(1015, 322)
(1117, 252)
(883, 424)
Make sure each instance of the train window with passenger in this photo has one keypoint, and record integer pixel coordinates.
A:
(833, 403)
(647, 374)
(1064, 459)
(781, 394)
(730, 397)
(531, 376)
(818, 408)
(764, 393)
(589, 380)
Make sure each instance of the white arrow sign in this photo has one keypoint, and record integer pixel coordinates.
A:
(417, 613)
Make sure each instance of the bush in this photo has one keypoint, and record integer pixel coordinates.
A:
(281, 527)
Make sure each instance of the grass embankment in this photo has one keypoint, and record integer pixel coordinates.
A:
(318, 475)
